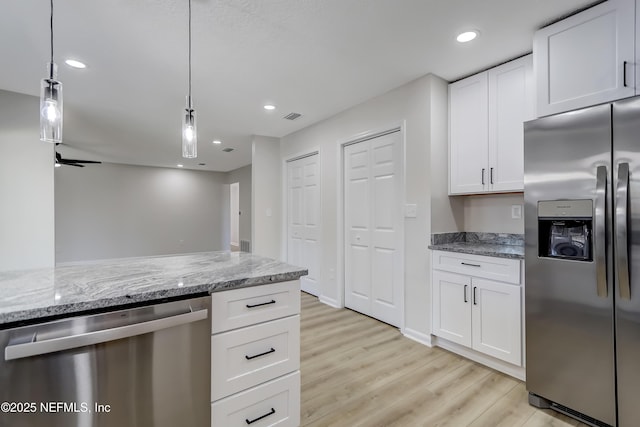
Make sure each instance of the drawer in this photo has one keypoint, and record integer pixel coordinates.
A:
(246, 306)
(501, 269)
(246, 357)
(274, 403)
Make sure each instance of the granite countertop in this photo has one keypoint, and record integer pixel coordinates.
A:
(488, 244)
(73, 288)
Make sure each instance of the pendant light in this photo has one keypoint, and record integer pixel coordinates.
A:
(51, 100)
(189, 130)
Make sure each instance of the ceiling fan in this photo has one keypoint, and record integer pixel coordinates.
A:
(72, 162)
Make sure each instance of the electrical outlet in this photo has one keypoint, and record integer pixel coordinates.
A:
(410, 210)
(516, 211)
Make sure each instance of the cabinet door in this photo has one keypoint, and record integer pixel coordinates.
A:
(581, 60)
(468, 138)
(451, 307)
(496, 320)
(510, 105)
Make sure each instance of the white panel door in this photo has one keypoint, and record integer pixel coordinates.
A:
(584, 60)
(451, 307)
(468, 138)
(496, 320)
(303, 216)
(510, 105)
(373, 201)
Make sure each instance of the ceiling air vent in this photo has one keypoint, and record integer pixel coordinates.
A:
(227, 150)
(292, 116)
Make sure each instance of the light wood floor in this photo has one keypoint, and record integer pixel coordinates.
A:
(357, 371)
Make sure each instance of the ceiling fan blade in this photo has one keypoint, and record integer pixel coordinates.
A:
(58, 156)
(70, 161)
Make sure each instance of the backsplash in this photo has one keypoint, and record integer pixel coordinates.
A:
(481, 237)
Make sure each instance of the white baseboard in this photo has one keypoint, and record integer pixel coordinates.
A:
(420, 337)
(518, 372)
(329, 301)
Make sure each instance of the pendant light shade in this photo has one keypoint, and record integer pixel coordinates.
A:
(189, 128)
(189, 132)
(51, 99)
(51, 107)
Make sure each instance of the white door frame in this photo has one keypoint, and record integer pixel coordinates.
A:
(284, 237)
(342, 143)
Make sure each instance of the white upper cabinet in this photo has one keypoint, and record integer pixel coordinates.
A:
(468, 135)
(486, 115)
(586, 59)
(510, 104)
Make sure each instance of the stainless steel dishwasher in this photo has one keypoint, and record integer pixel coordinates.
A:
(142, 367)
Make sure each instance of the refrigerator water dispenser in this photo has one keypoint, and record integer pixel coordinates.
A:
(565, 229)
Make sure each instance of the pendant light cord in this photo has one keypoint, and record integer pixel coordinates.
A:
(190, 103)
(51, 33)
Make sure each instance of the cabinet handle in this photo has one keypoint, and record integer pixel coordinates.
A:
(491, 180)
(465, 293)
(475, 301)
(470, 265)
(271, 412)
(273, 350)
(261, 304)
(624, 74)
(482, 176)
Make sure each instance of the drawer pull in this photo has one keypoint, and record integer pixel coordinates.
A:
(261, 304)
(273, 350)
(470, 265)
(273, 411)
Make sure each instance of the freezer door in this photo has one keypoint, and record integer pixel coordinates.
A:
(568, 302)
(626, 168)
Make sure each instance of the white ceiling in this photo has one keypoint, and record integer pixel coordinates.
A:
(314, 57)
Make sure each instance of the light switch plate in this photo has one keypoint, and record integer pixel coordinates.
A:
(516, 211)
(410, 210)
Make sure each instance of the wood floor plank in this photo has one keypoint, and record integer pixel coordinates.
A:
(357, 371)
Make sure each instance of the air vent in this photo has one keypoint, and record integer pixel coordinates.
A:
(227, 150)
(202, 164)
(292, 116)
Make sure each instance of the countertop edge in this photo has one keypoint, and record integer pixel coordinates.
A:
(471, 250)
(41, 315)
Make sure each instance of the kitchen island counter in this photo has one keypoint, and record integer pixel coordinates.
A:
(70, 289)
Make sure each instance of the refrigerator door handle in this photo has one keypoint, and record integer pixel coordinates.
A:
(622, 250)
(600, 224)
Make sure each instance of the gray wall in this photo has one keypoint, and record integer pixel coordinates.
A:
(266, 210)
(26, 186)
(492, 213)
(243, 177)
(114, 211)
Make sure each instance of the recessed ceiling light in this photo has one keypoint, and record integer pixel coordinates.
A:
(269, 107)
(217, 141)
(180, 166)
(75, 64)
(467, 36)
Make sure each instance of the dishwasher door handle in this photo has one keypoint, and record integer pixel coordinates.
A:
(20, 351)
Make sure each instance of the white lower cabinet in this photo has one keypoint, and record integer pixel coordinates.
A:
(274, 403)
(255, 356)
(484, 315)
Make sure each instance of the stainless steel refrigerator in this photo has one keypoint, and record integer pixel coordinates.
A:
(582, 263)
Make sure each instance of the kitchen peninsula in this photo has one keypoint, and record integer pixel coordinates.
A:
(73, 288)
(204, 338)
